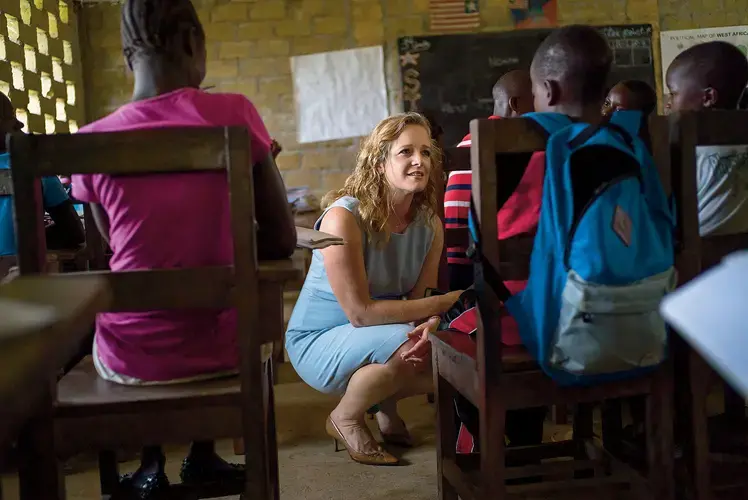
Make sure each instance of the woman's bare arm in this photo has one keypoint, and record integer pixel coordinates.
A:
(430, 271)
(345, 269)
(276, 238)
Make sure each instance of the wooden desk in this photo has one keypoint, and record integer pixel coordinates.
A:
(33, 351)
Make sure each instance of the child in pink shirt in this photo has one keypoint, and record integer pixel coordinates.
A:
(176, 221)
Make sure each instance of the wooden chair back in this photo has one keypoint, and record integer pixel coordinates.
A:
(188, 150)
(688, 132)
(498, 145)
(493, 383)
(456, 159)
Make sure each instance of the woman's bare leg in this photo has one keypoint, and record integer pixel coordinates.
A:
(388, 420)
(371, 385)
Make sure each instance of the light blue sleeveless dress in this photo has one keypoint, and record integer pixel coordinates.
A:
(324, 348)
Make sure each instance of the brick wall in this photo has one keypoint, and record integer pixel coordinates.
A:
(250, 41)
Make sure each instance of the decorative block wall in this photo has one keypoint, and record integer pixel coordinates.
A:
(40, 64)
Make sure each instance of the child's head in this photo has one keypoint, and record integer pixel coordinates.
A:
(512, 94)
(632, 95)
(710, 75)
(166, 37)
(569, 71)
(8, 121)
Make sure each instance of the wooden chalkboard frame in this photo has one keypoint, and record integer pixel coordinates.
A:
(451, 76)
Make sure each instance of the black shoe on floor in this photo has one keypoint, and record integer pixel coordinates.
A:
(209, 469)
(144, 486)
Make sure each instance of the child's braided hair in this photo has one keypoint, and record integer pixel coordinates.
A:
(151, 26)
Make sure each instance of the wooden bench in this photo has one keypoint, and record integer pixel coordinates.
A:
(714, 467)
(496, 379)
(91, 414)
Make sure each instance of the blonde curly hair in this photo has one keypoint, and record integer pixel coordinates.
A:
(368, 183)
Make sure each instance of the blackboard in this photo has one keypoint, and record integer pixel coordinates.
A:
(451, 76)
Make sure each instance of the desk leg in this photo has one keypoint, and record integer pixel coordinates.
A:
(39, 474)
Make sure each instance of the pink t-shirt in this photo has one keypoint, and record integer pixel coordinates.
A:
(170, 221)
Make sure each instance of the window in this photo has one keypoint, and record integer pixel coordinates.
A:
(26, 12)
(47, 85)
(52, 25)
(49, 124)
(39, 43)
(16, 69)
(42, 42)
(71, 93)
(57, 69)
(14, 34)
(60, 114)
(63, 8)
(35, 105)
(29, 58)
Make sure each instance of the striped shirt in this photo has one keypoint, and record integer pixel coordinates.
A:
(457, 204)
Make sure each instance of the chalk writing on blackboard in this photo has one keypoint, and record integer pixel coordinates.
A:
(451, 109)
(411, 88)
(409, 58)
(498, 62)
(410, 44)
(630, 43)
(626, 32)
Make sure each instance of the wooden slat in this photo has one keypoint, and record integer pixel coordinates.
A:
(457, 159)
(456, 237)
(540, 390)
(125, 153)
(6, 183)
(458, 369)
(488, 138)
(514, 263)
(86, 431)
(208, 287)
(715, 248)
(718, 128)
(466, 483)
(517, 454)
(659, 132)
(471, 462)
(164, 288)
(518, 135)
(30, 360)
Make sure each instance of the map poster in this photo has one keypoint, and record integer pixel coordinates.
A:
(673, 43)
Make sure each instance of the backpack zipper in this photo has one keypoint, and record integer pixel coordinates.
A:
(601, 189)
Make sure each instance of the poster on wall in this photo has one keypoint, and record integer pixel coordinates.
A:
(339, 94)
(673, 43)
(534, 13)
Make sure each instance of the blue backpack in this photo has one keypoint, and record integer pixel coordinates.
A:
(602, 257)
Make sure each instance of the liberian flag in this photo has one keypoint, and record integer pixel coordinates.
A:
(454, 15)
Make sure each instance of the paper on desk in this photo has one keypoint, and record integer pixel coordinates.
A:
(339, 94)
(315, 240)
(709, 312)
(19, 318)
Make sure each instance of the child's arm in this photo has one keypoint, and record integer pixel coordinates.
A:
(276, 238)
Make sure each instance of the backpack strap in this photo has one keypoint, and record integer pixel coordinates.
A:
(475, 252)
(550, 122)
(626, 124)
(547, 124)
